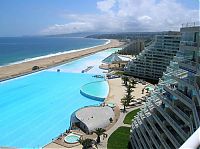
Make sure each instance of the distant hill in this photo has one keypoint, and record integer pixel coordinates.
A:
(125, 35)
(84, 34)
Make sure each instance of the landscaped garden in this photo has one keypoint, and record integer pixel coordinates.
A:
(119, 138)
(130, 116)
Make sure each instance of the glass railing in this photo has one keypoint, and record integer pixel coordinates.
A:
(192, 141)
(191, 24)
(189, 43)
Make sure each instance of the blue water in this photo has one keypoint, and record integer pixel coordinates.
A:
(94, 60)
(71, 138)
(96, 89)
(14, 49)
(36, 108)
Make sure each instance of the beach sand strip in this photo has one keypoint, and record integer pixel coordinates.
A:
(15, 70)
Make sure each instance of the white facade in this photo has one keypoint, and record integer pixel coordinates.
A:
(172, 113)
(152, 62)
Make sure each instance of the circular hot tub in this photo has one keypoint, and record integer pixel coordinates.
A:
(72, 138)
(112, 105)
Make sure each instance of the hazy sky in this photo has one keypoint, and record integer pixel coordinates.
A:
(32, 17)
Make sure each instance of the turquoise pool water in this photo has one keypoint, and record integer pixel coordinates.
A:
(36, 108)
(112, 105)
(96, 90)
(72, 138)
(93, 60)
(150, 87)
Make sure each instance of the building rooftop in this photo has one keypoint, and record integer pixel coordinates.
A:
(95, 117)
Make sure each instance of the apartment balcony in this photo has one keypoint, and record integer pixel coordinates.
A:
(156, 131)
(191, 48)
(166, 131)
(183, 98)
(145, 135)
(190, 83)
(137, 139)
(149, 131)
(197, 89)
(141, 138)
(189, 44)
(176, 110)
(189, 66)
(176, 127)
(134, 142)
(187, 101)
(176, 72)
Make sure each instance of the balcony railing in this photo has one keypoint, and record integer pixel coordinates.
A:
(176, 127)
(145, 136)
(190, 66)
(189, 43)
(149, 131)
(193, 141)
(191, 24)
(167, 132)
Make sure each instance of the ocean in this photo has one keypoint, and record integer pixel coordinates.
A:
(20, 49)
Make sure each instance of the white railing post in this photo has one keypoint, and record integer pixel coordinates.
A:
(193, 142)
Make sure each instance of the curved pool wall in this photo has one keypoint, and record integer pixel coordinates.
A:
(95, 90)
(36, 108)
(72, 138)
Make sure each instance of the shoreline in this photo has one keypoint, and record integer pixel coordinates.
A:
(24, 68)
(54, 54)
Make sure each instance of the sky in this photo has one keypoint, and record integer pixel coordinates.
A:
(45, 17)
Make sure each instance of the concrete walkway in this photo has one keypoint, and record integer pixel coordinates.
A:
(103, 144)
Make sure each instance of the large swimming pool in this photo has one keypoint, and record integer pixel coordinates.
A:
(36, 108)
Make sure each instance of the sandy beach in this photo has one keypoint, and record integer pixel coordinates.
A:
(117, 91)
(11, 71)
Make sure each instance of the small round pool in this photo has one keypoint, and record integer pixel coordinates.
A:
(112, 105)
(72, 138)
(150, 87)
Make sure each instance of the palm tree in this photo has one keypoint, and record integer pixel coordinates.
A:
(128, 95)
(124, 103)
(128, 98)
(125, 80)
(129, 89)
(143, 91)
(133, 83)
(86, 143)
(99, 132)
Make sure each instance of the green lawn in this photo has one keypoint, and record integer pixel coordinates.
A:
(130, 116)
(119, 138)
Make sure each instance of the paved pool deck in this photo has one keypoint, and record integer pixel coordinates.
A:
(103, 144)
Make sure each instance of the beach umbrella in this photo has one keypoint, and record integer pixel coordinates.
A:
(149, 88)
(113, 58)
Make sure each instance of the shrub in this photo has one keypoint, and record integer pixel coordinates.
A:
(111, 120)
(35, 67)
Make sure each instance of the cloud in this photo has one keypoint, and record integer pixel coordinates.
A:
(144, 18)
(128, 15)
(105, 5)
(72, 27)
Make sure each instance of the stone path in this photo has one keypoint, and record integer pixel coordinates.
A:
(103, 144)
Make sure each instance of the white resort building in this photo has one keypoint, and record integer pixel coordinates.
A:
(152, 62)
(172, 112)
